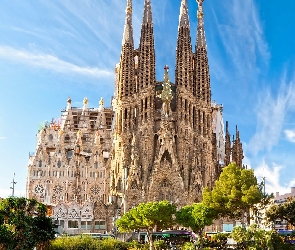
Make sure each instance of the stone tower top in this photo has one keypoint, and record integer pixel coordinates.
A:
(201, 40)
(183, 67)
(69, 102)
(200, 10)
(183, 16)
(147, 15)
(128, 30)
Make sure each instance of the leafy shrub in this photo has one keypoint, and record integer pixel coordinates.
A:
(88, 243)
(188, 246)
(135, 245)
(160, 244)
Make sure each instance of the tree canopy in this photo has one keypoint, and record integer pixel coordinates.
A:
(257, 238)
(234, 193)
(148, 216)
(23, 224)
(196, 216)
(285, 211)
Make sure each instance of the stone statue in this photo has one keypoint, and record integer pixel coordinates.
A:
(166, 94)
(97, 138)
(101, 102)
(85, 101)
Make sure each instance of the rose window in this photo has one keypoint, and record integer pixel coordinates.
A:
(76, 189)
(58, 189)
(95, 190)
(39, 189)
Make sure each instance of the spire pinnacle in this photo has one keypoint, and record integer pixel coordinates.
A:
(128, 30)
(200, 9)
(183, 16)
(166, 75)
(201, 40)
(147, 15)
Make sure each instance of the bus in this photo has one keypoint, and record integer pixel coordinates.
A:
(175, 237)
(287, 235)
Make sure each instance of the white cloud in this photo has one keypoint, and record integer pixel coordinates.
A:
(271, 112)
(242, 36)
(272, 178)
(290, 135)
(5, 193)
(246, 160)
(104, 20)
(50, 62)
(2, 137)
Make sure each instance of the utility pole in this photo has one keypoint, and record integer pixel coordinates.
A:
(263, 180)
(264, 199)
(13, 183)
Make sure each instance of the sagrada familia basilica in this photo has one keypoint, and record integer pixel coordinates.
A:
(158, 140)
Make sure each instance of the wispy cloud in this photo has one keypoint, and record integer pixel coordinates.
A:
(50, 62)
(242, 36)
(93, 17)
(272, 178)
(2, 137)
(271, 111)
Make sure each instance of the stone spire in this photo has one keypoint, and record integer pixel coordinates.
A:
(128, 30)
(227, 158)
(146, 55)
(183, 17)
(202, 88)
(126, 83)
(147, 14)
(237, 150)
(183, 72)
(201, 40)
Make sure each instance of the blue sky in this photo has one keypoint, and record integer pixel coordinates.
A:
(50, 50)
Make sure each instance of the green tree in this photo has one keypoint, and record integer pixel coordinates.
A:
(235, 192)
(196, 216)
(259, 239)
(285, 211)
(23, 224)
(148, 216)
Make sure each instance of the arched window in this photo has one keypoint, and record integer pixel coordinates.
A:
(164, 183)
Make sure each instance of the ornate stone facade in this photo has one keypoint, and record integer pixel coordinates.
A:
(159, 140)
